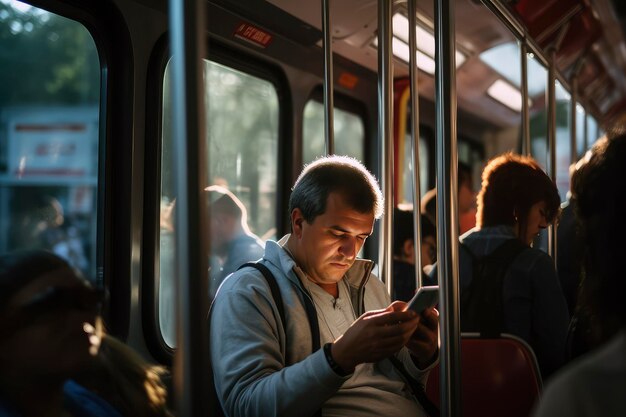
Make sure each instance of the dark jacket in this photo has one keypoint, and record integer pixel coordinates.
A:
(534, 305)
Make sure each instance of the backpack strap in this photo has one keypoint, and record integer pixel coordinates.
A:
(311, 313)
(278, 300)
(482, 307)
(271, 281)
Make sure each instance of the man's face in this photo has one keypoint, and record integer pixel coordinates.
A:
(327, 248)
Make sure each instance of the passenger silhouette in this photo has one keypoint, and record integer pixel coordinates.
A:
(516, 289)
(569, 250)
(54, 357)
(594, 384)
(46, 312)
(232, 242)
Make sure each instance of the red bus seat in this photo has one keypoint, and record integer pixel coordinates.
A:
(500, 377)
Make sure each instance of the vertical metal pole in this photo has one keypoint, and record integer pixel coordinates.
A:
(187, 38)
(385, 137)
(415, 135)
(525, 112)
(447, 208)
(329, 105)
(573, 154)
(552, 142)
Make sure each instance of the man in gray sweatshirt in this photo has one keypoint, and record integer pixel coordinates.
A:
(362, 356)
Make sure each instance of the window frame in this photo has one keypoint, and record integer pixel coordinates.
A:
(111, 36)
(236, 59)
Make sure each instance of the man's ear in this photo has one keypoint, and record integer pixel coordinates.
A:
(297, 221)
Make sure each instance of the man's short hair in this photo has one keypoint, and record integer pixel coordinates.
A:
(335, 174)
(511, 185)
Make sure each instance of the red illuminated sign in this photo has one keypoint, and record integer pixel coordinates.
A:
(253, 34)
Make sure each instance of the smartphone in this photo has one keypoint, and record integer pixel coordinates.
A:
(424, 298)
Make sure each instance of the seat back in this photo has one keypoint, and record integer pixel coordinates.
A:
(500, 377)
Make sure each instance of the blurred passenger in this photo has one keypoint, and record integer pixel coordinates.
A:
(404, 253)
(232, 242)
(127, 381)
(569, 251)
(43, 224)
(518, 290)
(594, 385)
(53, 356)
(39, 224)
(466, 200)
(45, 311)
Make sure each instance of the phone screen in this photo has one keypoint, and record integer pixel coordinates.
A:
(424, 298)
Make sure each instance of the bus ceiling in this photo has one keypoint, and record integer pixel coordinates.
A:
(586, 35)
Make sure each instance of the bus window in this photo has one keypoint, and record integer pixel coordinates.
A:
(504, 60)
(49, 120)
(580, 130)
(348, 127)
(537, 90)
(593, 132)
(563, 139)
(242, 133)
(406, 156)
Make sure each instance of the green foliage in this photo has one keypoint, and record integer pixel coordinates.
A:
(242, 139)
(45, 58)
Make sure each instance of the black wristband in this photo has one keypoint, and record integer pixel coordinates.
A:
(333, 365)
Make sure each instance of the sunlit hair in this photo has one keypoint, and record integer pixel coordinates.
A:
(599, 194)
(511, 185)
(128, 382)
(335, 174)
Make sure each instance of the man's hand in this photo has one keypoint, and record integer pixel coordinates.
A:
(424, 342)
(375, 335)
